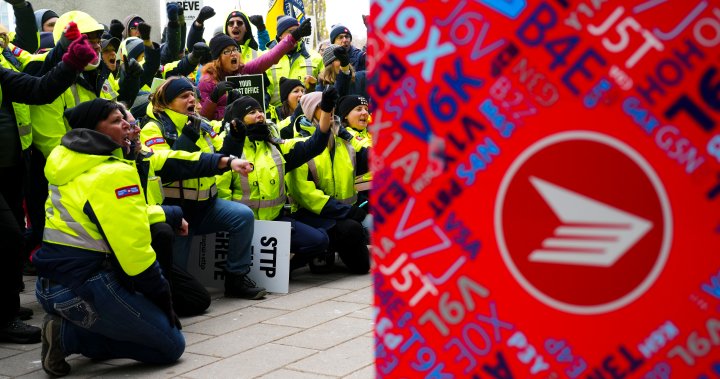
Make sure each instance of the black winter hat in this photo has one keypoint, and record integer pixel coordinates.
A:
(347, 103)
(242, 106)
(218, 43)
(287, 85)
(284, 23)
(337, 30)
(89, 113)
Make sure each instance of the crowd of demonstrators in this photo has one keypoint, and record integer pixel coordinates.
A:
(227, 61)
(264, 189)
(121, 149)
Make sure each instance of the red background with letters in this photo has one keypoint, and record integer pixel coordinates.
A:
(677, 294)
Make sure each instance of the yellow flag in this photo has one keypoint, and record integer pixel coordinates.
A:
(276, 9)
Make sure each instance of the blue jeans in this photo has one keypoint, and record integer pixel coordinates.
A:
(103, 320)
(222, 216)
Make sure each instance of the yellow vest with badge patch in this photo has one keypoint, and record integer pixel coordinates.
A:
(157, 134)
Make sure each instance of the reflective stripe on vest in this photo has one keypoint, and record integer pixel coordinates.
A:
(275, 97)
(83, 239)
(259, 204)
(24, 130)
(76, 95)
(173, 191)
(308, 66)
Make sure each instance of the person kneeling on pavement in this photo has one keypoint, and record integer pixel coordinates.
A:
(98, 277)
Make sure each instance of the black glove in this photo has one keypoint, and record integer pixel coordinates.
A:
(144, 30)
(220, 89)
(132, 68)
(200, 54)
(257, 20)
(205, 13)
(192, 128)
(237, 129)
(257, 132)
(342, 55)
(172, 11)
(304, 30)
(116, 29)
(356, 213)
(164, 302)
(15, 3)
(329, 98)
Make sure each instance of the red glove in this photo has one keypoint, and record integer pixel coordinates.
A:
(72, 32)
(79, 54)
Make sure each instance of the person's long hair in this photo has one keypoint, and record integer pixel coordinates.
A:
(329, 74)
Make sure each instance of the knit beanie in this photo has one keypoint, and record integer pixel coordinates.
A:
(328, 55)
(177, 86)
(42, 15)
(242, 106)
(134, 47)
(284, 23)
(87, 114)
(337, 30)
(287, 85)
(309, 103)
(218, 43)
(348, 103)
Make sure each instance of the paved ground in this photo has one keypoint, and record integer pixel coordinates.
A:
(322, 329)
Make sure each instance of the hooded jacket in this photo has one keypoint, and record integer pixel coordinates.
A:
(126, 24)
(96, 209)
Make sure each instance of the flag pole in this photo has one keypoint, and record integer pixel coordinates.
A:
(316, 26)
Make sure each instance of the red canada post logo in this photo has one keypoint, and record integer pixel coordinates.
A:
(583, 222)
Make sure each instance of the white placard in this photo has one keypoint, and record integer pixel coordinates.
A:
(191, 8)
(270, 267)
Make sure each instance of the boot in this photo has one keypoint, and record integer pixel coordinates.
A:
(16, 331)
(240, 285)
(51, 354)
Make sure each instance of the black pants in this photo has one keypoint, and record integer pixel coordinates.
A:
(36, 192)
(189, 297)
(11, 238)
(348, 238)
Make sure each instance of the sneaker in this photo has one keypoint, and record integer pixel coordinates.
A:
(239, 285)
(52, 356)
(17, 331)
(322, 264)
(24, 313)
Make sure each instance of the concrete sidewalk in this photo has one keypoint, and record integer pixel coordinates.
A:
(322, 329)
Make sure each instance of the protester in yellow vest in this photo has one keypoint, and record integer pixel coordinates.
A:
(96, 269)
(301, 64)
(354, 116)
